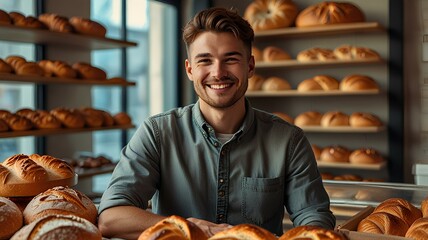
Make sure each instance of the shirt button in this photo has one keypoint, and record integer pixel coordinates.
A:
(223, 152)
(221, 216)
(221, 193)
(216, 144)
(221, 180)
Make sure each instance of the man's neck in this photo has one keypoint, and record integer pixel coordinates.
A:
(224, 120)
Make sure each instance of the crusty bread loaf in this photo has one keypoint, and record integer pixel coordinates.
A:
(4, 113)
(5, 18)
(25, 168)
(59, 227)
(45, 120)
(275, 84)
(270, 14)
(122, 118)
(311, 232)
(318, 82)
(16, 17)
(108, 119)
(60, 200)
(365, 156)
(335, 154)
(356, 82)
(257, 53)
(272, 53)
(329, 12)
(15, 61)
(3, 126)
(244, 231)
(173, 227)
(424, 207)
(87, 26)
(383, 223)
(350, 52)
(284, 116)
(334, 119)
(17, 123)
(54, 166)
(418, 230)
(87, 71)
(93, 117)
(56, 22)
(29, 69)
(5, 67)
(309, 118)
(57, 69)
(29, 22)
(255, 83)
(400, 208)
(364, 119)
(70, 118)
(315, 54)
(10, 218)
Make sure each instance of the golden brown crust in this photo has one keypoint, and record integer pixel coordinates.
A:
(5, 18)
(16, 17)
(30, 22)
(326, 13)
(255, 83)
(45, 121)
(18, 123)
(15, 61)
(350, 52)
(365, 156)
(418, 230)
(5, 67)
(87, 71)
(335, 154)
(400, 208)
(357, 82)
(319, 82)
(93, 117)
(122, 118)
(309, 118)
(334, 118)
(54, 166)
(29, 69)
(56, 23)
(275, 84)
(316, 54)
(69, 118)
(57, 69)
(270, 14)
(11, 218)
(88, 27)
(173, 227)
(108, 118)
(257, 53)
(424, 207)
(317, 151)
(383, 223)
(60, 200)
(272, 53)
(284, 117)
(25, 168)
(244, 231)
(3, 126)
(363, 119)
(311, 232)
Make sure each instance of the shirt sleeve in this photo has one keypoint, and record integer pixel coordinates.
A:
(134, 179)
(306, 200)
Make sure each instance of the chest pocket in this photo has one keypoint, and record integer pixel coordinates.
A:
(262, 199)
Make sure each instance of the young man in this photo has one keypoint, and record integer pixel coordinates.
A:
(218, 162)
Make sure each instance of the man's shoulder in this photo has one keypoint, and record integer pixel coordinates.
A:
(176, 113)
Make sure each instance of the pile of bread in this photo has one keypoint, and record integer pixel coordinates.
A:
(349, 83)
(27, 119)
(399, 217)
(89, 162)
(341, 154)
(54, 22)
(175, 227)
(273, 14)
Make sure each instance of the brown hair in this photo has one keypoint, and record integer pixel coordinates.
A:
(219, 19)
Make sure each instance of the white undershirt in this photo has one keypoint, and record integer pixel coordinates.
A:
(223, 137)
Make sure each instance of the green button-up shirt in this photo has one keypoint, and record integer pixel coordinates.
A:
(175, 159)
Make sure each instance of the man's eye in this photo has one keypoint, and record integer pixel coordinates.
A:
(231, 60)
(204, 61)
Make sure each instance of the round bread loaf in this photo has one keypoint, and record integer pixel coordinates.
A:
(335, 154)
(284, 117)
(316, 54)
(365, 156)
(5, 67)
(383, 223)
(309, 118)
(5, 18)
(329, 12)
(317, 151)
(363, 119)
(275, 84)
(10, 218)
(244, 231)
(58, 227)
(122, 118)
(69, 118)
(257, 53)
(173, 227)
(93, 117)
(17, 123)
(56, 23)
(349, 52)
(87, 71)
(108, 119)
(255, 83)
(60, 200)
(319, 82)
(400, 208)
(418, 230)
(270, 14)
(88, 27)
(272, 53)
(356, 82)
(334, 119)
(311, 232)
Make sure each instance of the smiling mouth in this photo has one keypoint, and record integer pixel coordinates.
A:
(219, 86)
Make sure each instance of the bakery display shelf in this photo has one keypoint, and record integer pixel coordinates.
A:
(343, 129)
(89, 172)
(293, 63)
(372, 166)
(363, 27)
(285, 93)
(13, 78)
(46, 132)
(43, 36)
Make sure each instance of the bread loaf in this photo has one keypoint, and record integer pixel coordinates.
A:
(15, 61)
(383, 223)
(57, 69)
(16, 17)
(68, 117)
(365, 156)
(309, 118)
(5, 67)
(311, 232)
(107, 118)
(329, 12)
(335, 154)
(10, 218)
(319, 82)
(17, 123)
(173, 227)
(56, 23)
(270, 14)
(244, 231)
(424, 207)
(400, 208)
(59, 227)
(272, 53)
(356, 82)
(93, 117)
(255, 83)
(5, 18)
(350, 52)
(87, 26)
(45, 120)
(122, 118)
(334, 118)
(87, 71)
(364, 119)
(29, 69)
(60, 200)
(316, 54)
(3, 126)
(29, 22)
(257, 53)
(317, 151)
(418, 230)
(284, 117)
(275, 84)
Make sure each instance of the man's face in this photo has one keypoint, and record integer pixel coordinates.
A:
(219, 66)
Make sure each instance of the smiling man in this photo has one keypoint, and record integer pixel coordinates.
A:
(218, 162)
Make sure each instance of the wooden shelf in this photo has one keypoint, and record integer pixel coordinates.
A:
(295, 93)
(363, 27)
(89, 172)
(13, 78)
(343, 129)
(293, 63)
(46, 132)
(376, 166)
(42, 36)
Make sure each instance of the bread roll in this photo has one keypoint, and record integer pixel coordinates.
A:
(316, 54)
(87, 71)
(349, 52)
(57, 69)
(69, 118)
(45, 121)
(59, 227)
(16, 17)
(272, 53)
(383, 223)
(3, 126)
(335, 154)
(29, 69)
(363, 119)
(424, 207)
(327, 176)
(29, 22)
(365, 156)
(334, 119)
(244, 231)
(311, 232)
(5, 67)
(356, 82)
(15, 61)
(255, 83)
(10, 218)
(18, 123)
(319, 82)
(275, 84)
(122, 118)
(60, 200)
(173, 227)
(108, 119)
(284, 117)
(317, 151)
(257, 53)
(418, 230)
(87, 26)
(270, 14)
(400, 208)
(5, 18)
(309, 118)
(5, 113)
(56, 23)
(328, 12)
(93, 117)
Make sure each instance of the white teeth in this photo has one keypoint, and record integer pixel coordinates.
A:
(220, 86)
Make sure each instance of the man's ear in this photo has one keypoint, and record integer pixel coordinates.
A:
(251, 67)
(188, 69)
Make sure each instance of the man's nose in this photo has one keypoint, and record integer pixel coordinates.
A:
(219, 71)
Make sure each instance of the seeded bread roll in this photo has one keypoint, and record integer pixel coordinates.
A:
(11, 218)
(270, 14)
(316, 54)
(309, 118)
(87, 27)
(275, 84)
(335, 154)
(365, 156)
(244, 231)
(319, 82)
(272, 53)
(311, 232)
(334, 118)
(255, 83)
(356, 82)
(56, 23)
(383, 223)
(363, 119)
